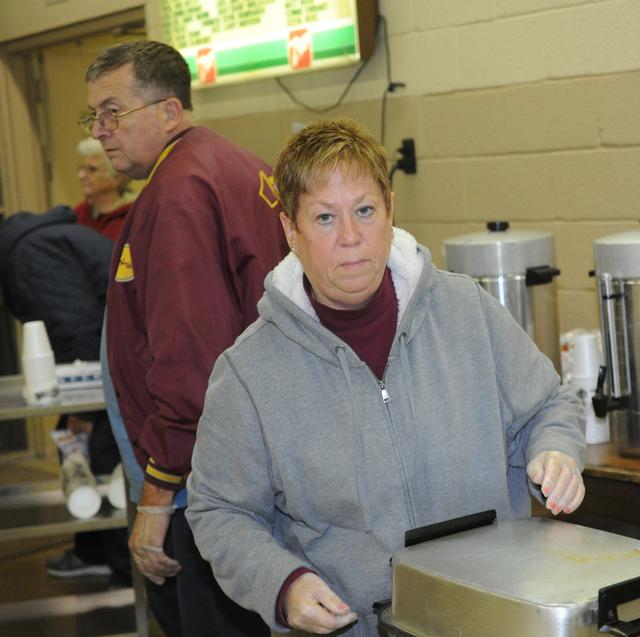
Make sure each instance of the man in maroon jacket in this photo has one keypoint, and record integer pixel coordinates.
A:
(187, 272)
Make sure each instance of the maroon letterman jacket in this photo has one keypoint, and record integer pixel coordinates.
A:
(186, 275)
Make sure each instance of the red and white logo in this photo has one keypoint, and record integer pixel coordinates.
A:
(207, 69)
(300, 54)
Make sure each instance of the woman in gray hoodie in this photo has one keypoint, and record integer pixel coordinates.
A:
(374, 394)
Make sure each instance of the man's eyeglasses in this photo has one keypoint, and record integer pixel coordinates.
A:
(108, 120)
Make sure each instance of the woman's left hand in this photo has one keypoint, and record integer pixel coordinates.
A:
(560, 480)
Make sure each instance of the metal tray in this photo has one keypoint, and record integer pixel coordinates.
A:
(532, 578)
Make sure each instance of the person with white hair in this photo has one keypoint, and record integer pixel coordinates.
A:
(107, 197)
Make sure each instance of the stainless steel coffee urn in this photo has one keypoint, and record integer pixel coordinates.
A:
(518, 268)
(617, 259)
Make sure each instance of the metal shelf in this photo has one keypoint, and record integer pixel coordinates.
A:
(38, 509)
(13, 404)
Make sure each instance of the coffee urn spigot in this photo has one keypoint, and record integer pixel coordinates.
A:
(602, 403)
(540, 275)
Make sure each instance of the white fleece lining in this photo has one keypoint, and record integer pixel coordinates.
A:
(406, 265)
(287, 277)
(405, 262)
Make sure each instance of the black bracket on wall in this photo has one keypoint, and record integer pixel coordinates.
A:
(407, 162)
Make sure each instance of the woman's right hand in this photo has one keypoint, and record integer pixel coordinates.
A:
(312, 606)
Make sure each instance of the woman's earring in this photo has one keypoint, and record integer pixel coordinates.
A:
(293, 249)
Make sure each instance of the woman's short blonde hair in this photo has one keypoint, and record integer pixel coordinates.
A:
(311, 156)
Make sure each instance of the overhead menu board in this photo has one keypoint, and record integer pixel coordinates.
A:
(235, 40)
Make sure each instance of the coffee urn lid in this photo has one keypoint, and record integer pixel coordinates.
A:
(618, 254)
(498, 251)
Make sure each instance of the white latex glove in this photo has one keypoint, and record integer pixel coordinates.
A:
(145, 544)
(312, 606)
(148, 534)
(560, 481)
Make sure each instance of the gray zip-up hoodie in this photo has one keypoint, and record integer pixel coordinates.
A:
(303, 458)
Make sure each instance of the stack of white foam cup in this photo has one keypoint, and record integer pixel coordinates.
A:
(38, 365)
(585, 364)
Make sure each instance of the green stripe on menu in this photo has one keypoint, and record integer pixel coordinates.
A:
(334, 43)
(326, 44)
(252, 57)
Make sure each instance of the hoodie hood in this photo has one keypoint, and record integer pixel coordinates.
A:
(287, 305)
(21, 224)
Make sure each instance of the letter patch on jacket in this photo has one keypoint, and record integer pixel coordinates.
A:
(124, 272)
(267, 189)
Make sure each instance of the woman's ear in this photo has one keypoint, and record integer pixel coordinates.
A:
(392, 209)
(289, 229)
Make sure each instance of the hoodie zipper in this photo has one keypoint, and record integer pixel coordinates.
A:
(383, 390)
(386, 399)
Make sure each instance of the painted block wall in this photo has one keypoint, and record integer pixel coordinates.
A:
(524, 110)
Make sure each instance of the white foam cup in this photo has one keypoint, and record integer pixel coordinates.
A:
(116, 493)
(585, 358)
(35, 341)
(38, 364)
(597, 430)
(40, 382)
(79, 487)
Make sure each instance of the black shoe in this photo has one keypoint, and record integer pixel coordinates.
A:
(70, 565)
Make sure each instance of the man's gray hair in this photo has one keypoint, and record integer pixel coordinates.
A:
(156, 66)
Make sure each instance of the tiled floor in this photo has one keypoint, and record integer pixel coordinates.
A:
(32, 604)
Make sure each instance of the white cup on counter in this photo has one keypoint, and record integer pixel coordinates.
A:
(585, 364)
(116, 494)
(38, 365)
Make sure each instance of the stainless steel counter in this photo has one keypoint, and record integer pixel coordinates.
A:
(13, 405)
(38, 509)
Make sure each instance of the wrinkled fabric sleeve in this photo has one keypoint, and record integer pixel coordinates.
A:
(192, 318)
(132, 470)
(232, 499)
(538, 412)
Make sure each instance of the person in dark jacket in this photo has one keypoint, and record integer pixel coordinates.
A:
(55, 270)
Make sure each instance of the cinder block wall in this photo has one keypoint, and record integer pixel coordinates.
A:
(524, 110)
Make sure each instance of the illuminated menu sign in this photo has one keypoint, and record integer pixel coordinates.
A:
(234, 40)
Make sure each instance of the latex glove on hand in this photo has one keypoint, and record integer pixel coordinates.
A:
(145, 544)
(560, 481)
(312, 606)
